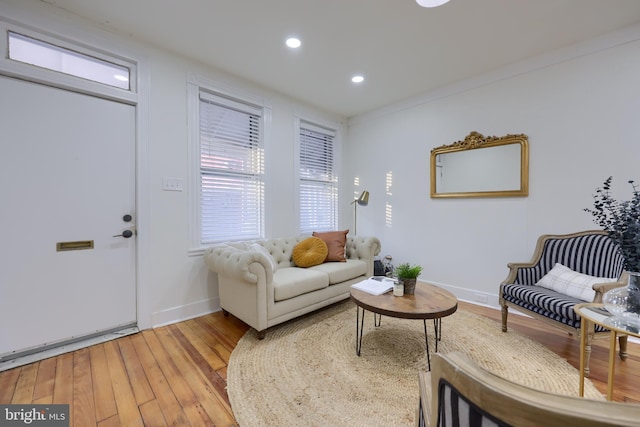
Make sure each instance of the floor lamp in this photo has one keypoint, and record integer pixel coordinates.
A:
(363, 200)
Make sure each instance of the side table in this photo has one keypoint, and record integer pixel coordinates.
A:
(597, 314)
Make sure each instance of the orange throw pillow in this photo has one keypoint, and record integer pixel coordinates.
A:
(309, 252)
(336, 241)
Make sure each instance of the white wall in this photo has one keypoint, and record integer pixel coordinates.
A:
(580, 116)
(173, 285)
(182, 285)
(579, 107)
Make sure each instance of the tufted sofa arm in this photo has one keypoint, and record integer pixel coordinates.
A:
(235, 260)
(362, 247)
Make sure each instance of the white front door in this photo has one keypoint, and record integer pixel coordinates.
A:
(67, 179)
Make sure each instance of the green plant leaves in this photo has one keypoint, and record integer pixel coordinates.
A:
(408, 271)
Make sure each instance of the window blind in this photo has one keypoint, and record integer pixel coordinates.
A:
(318, 186)
(231, 169)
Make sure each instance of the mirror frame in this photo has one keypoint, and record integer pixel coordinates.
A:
(475, 141)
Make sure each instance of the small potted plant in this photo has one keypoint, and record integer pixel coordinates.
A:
(407, 274)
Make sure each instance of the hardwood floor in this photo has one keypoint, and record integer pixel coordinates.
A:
(627, 373)
(176, 375)
(169, 376)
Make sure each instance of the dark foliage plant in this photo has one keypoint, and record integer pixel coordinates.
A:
(621, 221)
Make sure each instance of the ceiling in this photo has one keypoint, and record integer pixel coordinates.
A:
(403, 50)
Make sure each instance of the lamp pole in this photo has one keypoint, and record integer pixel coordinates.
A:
(363, 200)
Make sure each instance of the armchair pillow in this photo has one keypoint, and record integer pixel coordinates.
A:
(568, 282)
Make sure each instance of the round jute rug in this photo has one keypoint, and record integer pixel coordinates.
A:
(306, 371)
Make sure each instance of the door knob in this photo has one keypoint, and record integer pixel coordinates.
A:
(126, 234)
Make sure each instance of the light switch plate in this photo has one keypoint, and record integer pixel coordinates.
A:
(172, 184)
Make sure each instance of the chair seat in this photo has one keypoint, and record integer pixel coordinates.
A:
(543, 301)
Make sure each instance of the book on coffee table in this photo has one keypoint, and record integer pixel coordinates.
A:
(374, 285)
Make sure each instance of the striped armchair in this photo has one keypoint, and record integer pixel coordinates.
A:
(591, 253)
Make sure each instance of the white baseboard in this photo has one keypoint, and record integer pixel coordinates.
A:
(469, 295)
(184, 312)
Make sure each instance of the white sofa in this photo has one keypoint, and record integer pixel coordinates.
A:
(264, 291)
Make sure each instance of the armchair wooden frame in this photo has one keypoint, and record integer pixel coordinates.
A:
(599, 288)
(509, 403)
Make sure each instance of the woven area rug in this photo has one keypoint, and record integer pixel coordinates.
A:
(306, 372)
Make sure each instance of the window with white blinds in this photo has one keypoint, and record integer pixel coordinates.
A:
(318, 194)
(231, 170)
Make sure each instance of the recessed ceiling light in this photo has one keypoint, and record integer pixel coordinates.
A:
(431, 3)
(293, 42)
(357, 79)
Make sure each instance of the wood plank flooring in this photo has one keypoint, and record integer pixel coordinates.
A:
(176, 375)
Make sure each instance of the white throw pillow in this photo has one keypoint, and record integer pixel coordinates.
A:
(257, 247)
(568, 282)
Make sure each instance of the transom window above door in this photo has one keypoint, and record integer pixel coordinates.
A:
(39, 53)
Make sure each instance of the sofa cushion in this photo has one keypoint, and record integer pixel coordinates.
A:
(568, 282)
(336, 241)
(340, 272)
(293, 281)
(310, 252)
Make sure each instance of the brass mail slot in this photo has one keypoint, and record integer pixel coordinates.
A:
(74, 246)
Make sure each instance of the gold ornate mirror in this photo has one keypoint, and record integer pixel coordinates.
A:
(481, 166)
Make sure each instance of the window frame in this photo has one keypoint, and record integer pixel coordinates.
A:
(320, 125)
(38, 53)
(34, 73)
(235, 97)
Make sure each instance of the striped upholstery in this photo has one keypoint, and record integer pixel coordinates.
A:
(454, 410)
(592, 254)
(546, 302)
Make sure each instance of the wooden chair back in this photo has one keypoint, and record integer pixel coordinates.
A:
(459, 392)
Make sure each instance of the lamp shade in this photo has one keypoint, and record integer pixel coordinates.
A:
(363, 200)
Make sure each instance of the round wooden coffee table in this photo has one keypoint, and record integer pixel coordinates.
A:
(428, 302)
